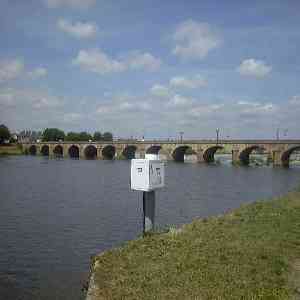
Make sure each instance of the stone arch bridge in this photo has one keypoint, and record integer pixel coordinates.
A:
(278, 151)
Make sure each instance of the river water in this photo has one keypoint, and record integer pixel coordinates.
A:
(55, 213)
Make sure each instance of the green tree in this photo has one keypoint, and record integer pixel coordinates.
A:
(84, 136)
(97, 136)
(107, 136)
(72, 137)
(78, 137)
(53, 134)
(4, 134)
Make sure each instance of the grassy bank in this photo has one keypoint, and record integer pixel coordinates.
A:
(11, 150)
(250, 253)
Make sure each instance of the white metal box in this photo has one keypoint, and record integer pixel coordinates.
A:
(147, 175)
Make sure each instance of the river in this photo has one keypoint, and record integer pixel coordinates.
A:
(55, 213)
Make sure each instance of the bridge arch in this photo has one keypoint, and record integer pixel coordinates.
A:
(129, 152)
(32, 150)
(285, 158)
(179, 152)
(58, 151)
(73, 151)
(209, 154)
(45, 150)
(245, 154)
(154, 149)
(108, 152)
(90, 152)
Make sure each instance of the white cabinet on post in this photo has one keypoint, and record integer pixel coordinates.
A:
(147, 176)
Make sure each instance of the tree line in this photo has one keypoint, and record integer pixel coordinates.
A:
(55, 134)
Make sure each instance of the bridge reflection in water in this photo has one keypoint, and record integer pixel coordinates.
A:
(277, 151)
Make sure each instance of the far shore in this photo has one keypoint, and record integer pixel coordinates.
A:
(12, 149)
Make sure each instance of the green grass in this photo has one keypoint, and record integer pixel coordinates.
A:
(11, 150)
(250, 253)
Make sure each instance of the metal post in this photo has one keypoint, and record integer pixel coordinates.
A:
(217, 131)
(148, 211)
(277, 134)
(181, 136)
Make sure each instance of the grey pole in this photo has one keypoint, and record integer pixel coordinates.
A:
(181, 136)
(148, 211)
(277, 134)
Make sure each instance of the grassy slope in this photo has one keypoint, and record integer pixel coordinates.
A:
(251, 253)
(10, 150)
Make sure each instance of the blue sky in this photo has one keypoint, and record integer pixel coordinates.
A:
(151, 68)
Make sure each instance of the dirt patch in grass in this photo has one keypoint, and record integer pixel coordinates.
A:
(250, 253)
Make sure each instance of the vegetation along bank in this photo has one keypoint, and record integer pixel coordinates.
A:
(250, 253)
(12, 149)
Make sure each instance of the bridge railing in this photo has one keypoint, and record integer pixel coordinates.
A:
(174, 141)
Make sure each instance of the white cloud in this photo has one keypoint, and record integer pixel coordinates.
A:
(38, 73)
(145, 61)
(95, 60)
(133, 106)
(179, 101)
(159, 90)
(80, 30)
(256, 107)
(205, 110)
(22, 108)
(254, 68)
(126, 106)
(189, 83)
(103, 109)
(248, 103)
(194, 40)
(45, 102)
(70, 3)
(295, 100)
(117, 105)
(144, 106)
(72, 117)
(29, 99)
(11, 69)
(15, 68)
(7, 98)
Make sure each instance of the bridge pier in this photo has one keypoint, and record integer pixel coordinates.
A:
(51, 148)
(235, 156)
(65, 151)
(81, 152)
(276, 157)
(99, 153)
(269, 158)
(119, 153)
(200, 158)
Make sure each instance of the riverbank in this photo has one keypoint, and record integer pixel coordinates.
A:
(11, 150)
(251, 253)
